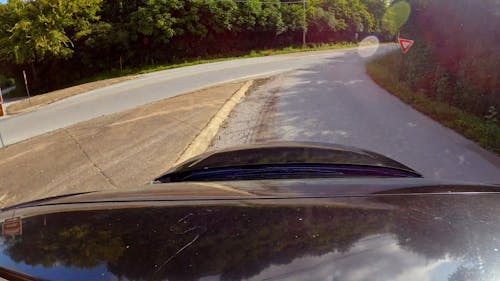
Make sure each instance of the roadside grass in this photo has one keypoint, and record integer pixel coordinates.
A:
(116, 76)
(215, 58)
(384, 71)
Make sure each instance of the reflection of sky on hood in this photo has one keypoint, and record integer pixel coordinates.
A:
(373, 258)
(54, 273)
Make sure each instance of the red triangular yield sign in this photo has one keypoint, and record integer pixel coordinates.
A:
(405, 44)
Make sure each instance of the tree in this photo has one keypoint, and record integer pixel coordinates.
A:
(377, 8)
(155, 19)
(395, 17)
(34, 31)
(293, 17)
(341, 20)
(271, 19)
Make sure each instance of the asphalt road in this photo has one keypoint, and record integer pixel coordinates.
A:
(336, 102)
(319, 96)
(149, 88)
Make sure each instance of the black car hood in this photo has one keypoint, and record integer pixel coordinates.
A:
(287, 153)
(401, 229)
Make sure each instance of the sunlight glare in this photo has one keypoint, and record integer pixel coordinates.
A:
(368, 46)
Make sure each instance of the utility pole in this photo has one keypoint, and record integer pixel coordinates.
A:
(304, 28)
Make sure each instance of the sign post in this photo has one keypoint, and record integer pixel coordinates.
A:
(26, 84)
(405, 45)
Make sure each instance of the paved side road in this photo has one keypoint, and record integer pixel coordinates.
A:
(337, 102)
(149, 88)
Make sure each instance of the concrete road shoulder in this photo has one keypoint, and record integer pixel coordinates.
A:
(116, 151)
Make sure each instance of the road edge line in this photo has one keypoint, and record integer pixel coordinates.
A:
(202, 141)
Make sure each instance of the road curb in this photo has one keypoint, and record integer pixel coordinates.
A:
(202, 141)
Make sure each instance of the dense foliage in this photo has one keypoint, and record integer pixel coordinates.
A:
(60, 41)
(455, 57)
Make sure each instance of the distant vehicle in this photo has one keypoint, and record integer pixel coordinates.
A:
(279, 211)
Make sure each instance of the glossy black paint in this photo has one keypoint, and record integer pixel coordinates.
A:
(281, 230)
(282, 153)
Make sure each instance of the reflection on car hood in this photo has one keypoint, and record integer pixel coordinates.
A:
(293, 230)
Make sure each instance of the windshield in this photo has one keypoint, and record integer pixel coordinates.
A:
(108, 95)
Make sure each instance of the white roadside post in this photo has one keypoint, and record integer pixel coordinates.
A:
(1, 103)
(1, 114)
(26, 84)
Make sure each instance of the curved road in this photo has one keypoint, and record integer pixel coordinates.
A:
(151, 87)
(337, 102)
(318, 96)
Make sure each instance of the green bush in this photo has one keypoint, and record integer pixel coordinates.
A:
(6, 82)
